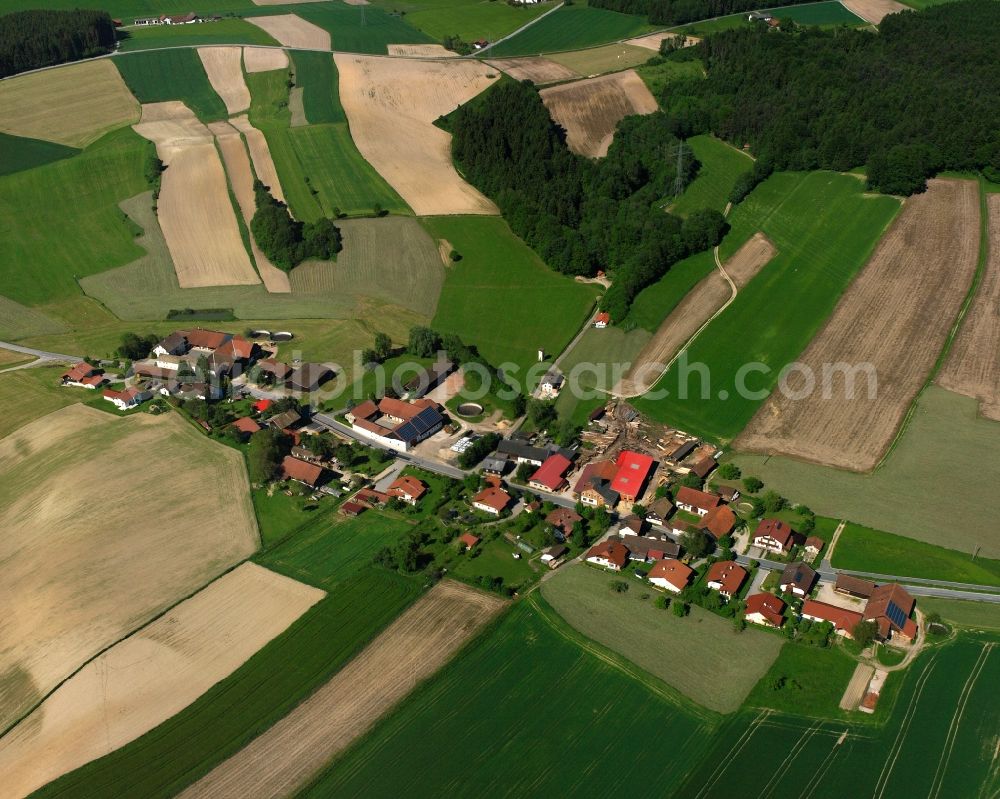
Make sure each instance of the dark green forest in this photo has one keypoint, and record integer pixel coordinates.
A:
(34, 39)
(581, 215)
(914, 99)
(286, 241)
(679, 12)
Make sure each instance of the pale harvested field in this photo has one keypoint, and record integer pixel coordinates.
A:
(297, 108)
(590, 109)
(224, 67)
(194, 208)
(874, 10)
(697, 307)
(107, 522)
(419, 50)
(391, 105)
(234, 155)
(73, 105)
(293, 31)
(264, 59)
(260, 154)
(537, 69)
(651, 41)
(973, 365)
(412, 649)
(896, 316)
(150, 676)
(857, 687)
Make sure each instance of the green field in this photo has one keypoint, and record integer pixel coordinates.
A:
(864, 549)
(823, 15)
(172, 75)
(30, 394)
(947, 450)
(939, 741)
(721, 165)
(317, 75)
(526, 711)
(127, 10)
(975, 615)
(319, 166)
(19, 321)
(593, 364)
(18, 153)
(389, 270)
(572, 28)
(468, 19)
(606, 58)
(255, 696)
(824, 227)
(60, 221)
(814, 682)
(354, 29)
(694, 654)
(654, 303)
(330, 548)
(501, 297)
(223, 31)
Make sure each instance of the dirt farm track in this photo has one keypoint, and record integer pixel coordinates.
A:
(415, 646)
(894, 319)
(78, 573)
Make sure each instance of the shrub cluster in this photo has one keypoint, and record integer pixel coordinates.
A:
(286, 241)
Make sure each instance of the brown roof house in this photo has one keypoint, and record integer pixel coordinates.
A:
(671, 575)
(310, 474)
(491, 500)
(610, 553)
(694, 501)
(563, 520)
(726, 577)
(798, 579)
(408, 489)
(890, 608)
(774, 535)
(719, 522)
(766, 609)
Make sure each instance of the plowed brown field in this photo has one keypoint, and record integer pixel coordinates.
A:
(224, 67)
(894, 319)
(264, 59)
(973, 366)
(293, 31)
(591, 109)
(874, 10)
(415, 646)
(539, 70)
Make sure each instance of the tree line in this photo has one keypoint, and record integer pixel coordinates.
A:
(286, 241)
(35, 39)
(680, 12)
(917, 98)
(582, 215)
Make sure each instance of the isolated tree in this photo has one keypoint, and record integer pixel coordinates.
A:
(423, 342)
(729, 471)
(864, 632)
(383, 345)
(752, 484)
(541, 413)
(696, 544)
(265, 452)
(773, 501)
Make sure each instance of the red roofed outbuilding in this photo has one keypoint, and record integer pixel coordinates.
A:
(301, 471)
(634, 469)
(551, 475)
(844, 621)
(694, 501)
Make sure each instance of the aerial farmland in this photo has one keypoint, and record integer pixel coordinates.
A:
(441, 397)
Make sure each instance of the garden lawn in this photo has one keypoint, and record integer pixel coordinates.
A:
(501, 297)
(864, 549)
(694, 654)
(496, 559)
(805, 681)
(264, 689)
(721, 165)
(222, 31)
(279, 515)
(156, 77)
(467, 19)
(18, 153)
(317, 75)
(572, 28)
(529, 708)
(330, 548)
(824, 228)
(60, 221)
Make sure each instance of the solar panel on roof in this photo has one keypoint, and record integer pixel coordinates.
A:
(895, 614)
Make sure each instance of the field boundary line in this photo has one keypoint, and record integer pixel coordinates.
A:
(977, 279)
(956, 721)
(528, 24)
(817, 777)
(785, 764)
(897, 744)
(735, 749)
(13, 725)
